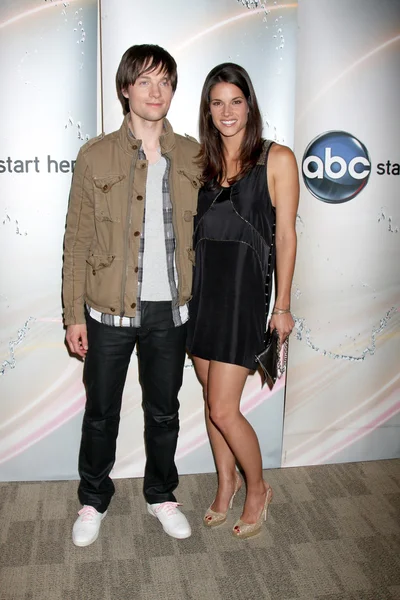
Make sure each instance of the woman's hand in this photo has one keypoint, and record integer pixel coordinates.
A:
(283, 324)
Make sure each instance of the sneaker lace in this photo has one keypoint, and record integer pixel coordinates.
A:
(169, 508)
(88, 513)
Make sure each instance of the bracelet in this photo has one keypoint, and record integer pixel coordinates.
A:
(280, 311)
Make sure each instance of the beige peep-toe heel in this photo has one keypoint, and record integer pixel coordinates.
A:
(244, 530)
(213, 518)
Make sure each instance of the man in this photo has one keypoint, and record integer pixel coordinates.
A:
(127, 278)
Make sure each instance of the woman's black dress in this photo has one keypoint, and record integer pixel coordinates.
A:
(234, 260)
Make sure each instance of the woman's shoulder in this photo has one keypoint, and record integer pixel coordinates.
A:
(273, 152)
(279, 151)
(280, 157)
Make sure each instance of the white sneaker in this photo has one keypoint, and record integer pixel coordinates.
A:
(173, 521)
(87, 526)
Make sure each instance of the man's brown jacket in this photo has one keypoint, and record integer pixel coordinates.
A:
(105, 219)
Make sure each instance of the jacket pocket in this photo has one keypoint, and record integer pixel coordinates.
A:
(191, 255)
(190, 185)
(99, 261)
(105, 189)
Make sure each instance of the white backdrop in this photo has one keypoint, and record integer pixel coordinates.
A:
(343, 399)
(343, 392)
(48, 72)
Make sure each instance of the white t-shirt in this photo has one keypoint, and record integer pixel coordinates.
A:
(155, 284)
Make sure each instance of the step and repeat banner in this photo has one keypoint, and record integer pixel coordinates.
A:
(327, 79)
(53, 53)
(343, 391)
(48, 107)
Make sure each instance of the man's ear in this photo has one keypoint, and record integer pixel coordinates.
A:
(124, 92)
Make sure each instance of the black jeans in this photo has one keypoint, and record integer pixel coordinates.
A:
(161, 357)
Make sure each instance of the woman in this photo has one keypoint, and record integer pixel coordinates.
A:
(246, 214)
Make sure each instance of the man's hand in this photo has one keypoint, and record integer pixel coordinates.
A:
(77, 339)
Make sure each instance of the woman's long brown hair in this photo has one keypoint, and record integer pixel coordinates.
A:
(211, 155)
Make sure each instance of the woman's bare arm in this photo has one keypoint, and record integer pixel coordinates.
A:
(283, 179)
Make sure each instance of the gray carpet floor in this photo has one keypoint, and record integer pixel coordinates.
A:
(333, 533)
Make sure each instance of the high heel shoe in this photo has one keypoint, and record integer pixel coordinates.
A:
(213, 518)
(245, 530)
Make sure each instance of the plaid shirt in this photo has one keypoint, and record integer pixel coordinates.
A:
(179, 313)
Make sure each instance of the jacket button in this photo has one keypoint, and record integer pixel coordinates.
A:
(136, 269)
(143, 166)
(134, 147)
(139, 197)
(133, 305)
(105, 188)
(136, 233)
(188, 215)
(112, 309)
(94, 272)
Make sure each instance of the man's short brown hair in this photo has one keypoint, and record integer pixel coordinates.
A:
(140, 59)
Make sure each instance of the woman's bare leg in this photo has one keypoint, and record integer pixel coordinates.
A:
(231, 435)
(224, 389)
(224, 458)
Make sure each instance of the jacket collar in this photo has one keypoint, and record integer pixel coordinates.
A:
(131, 144)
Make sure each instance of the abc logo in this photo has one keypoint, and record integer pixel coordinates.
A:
(336, 167)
